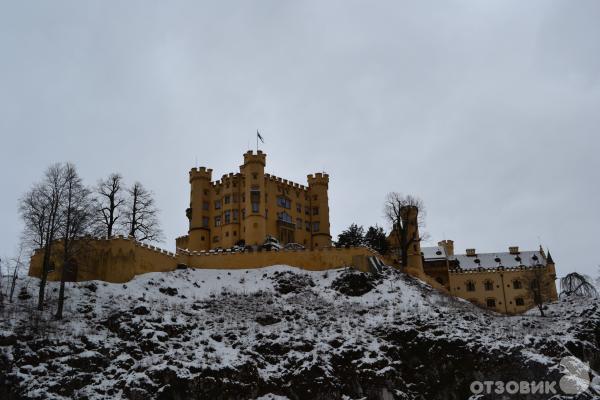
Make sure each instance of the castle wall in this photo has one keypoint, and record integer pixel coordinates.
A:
(120, 259)
(111, 260)
(313, 260)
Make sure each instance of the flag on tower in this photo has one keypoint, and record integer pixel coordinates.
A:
(259, 137)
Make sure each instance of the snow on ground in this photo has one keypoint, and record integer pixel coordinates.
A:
(279, 332)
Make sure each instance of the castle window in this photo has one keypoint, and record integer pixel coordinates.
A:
(315, 211)
(307, 225)
(315, 227)
(470, 286)
(299, 223)
(235, 198)
(255, 200)
(227, 199)
(488, 285)
(206, 192)
(205, 205)
(315, 197)
(285, 217)
(234, 233)
(307, 210)
(226, 234)
(227, 217)
(519, 301)
(254, 175)
(243, 213)
(217, 204)
(216, 239)
(284, 202)
(517, 284)
(205, 222)
(299, 207)
(236, 214)
(490, 303)
(217, 221)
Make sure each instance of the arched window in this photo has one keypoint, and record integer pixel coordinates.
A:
(470, 286)
(517, 284)
(488, 285)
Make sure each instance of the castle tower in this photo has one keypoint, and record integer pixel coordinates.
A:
(318, 185)
(199, 211)
(410, 219)
(253, 170)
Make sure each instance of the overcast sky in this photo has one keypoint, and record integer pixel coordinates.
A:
(489, 111)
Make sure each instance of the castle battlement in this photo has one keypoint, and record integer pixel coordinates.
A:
(201, 173)
(319, 178)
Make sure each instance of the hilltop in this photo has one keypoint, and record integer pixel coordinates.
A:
(279, 332)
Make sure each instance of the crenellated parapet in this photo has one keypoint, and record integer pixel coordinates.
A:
(250, 157)
(201, 173)
(320, 178)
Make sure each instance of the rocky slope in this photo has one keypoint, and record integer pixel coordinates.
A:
(281, 333)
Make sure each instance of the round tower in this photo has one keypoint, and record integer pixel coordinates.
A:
(318, 186)
(254, 224)
(410, 219)
(198, 213)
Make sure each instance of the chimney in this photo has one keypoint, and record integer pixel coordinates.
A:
(448, 245)
(513, 250)
(471, 252)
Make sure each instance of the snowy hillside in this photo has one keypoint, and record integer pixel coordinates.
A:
(278, 333)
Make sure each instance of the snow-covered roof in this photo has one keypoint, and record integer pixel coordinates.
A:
(495, 260)
(433, 253)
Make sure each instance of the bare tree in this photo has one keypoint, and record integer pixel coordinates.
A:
(140, 215)
(109, 202)
(76, 211)
(17, 264)
(1, 284)
(578, 285)
(537, 283)
(40, 210)
(406, 214)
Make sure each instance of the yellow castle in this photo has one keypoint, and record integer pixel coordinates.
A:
(230, 219)
(245, 207)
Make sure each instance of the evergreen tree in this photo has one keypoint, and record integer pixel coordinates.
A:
(376, 239)
(353, 236)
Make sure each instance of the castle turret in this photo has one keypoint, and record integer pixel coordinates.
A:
(410, 219)
(198, 213)
(318, 185)
(254, 193)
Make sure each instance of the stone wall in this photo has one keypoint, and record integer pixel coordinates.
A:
(120, 259)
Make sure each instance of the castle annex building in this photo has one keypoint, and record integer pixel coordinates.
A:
(245, 207)
(506, 282)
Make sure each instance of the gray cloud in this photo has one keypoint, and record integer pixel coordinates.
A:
(487, 110)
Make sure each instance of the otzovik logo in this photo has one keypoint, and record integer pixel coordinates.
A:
(576, 375)
(575, 380)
